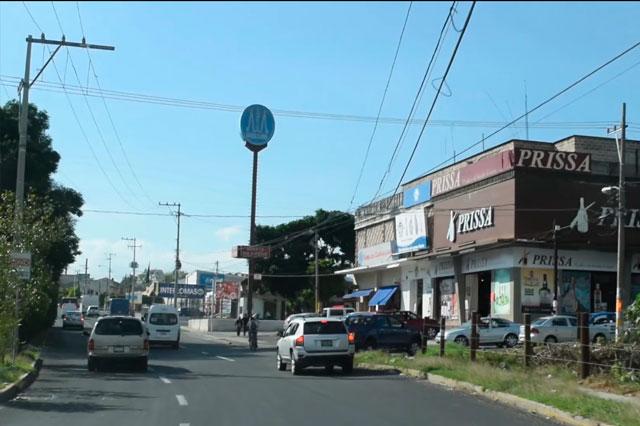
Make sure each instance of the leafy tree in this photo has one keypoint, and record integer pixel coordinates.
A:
(292, 252)
(57, 206)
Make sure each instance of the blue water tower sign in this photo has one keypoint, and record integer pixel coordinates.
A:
(257, 126)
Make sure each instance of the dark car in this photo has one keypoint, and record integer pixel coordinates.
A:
(602, 318)
(414, 322)
(382, 331)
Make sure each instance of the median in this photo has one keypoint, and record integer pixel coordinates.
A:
(502, 372)
(17, 376)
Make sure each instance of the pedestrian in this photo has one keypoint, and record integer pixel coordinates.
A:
(253, 333)
(245, 324)
(238, 325)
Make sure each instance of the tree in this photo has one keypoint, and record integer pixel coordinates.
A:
(58, 207)
(292, 253)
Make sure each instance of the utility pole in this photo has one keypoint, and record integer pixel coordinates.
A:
(133, 265)
(178, 264)
(86, 276)
(23, 126)
(109, 256)
(620, 144)
(556, 228)
(315, 258)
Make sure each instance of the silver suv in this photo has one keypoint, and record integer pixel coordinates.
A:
(118, 337)
(315, 342)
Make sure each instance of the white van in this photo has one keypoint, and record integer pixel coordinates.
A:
(163, 325)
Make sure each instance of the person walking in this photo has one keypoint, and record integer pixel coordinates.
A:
(253, 333)
(238, 324)
(245, 324)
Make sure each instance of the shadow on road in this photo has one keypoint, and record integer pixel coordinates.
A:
(65, 407)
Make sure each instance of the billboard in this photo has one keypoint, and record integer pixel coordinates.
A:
(206, 279)
(411, 232)
(185, 291)
(417, 195)
(377, 254)
(227, 290)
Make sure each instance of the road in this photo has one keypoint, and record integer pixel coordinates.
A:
(209, 382)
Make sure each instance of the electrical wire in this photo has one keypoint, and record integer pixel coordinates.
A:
(417, 97)
(437, 95)
(384, 96)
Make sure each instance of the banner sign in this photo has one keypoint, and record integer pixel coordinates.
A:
(411, 232)
(227, 290)
(501, 292)
(21, 262)
(251, 252)
(376, 255)
(537, 290)
(185, 291)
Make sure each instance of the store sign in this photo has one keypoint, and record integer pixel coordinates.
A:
(21, 263)
(443, 268)
(483, 168)
(488, 260)
(251, 252)
(411, 232)
(417, 195)
(376, 255)
(609, 217)
(185, 291)
(460, 223)
(553, 160)
(567, 259)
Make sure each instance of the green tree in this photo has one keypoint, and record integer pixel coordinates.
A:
(292, 253)
(57, 205)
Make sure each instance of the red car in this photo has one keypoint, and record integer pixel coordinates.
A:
(419, 324)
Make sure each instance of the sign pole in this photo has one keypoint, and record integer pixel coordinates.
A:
(252, 232)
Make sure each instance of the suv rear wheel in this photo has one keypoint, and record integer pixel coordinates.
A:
(347, 367)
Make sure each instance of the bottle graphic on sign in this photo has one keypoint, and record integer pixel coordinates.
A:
(544, 293)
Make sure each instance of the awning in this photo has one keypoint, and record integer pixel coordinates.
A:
(383, 295)
(382, 266)
(358, 293)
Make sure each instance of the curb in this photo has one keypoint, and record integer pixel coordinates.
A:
(501, 397)
(23, 383)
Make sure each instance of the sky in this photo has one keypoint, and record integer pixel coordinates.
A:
(324, 58)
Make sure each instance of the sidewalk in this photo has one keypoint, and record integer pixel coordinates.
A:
(265, 339)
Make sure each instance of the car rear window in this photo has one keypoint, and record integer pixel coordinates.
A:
(119, 327)
(163, 319)
(328, 327)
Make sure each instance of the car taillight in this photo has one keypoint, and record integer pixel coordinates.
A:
(324, 322)
(352, 338)
(535, 331)
(92, 345)
(300, 341)
(146, 345)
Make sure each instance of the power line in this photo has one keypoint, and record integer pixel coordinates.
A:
(561, 92)
(113, 126)
(435, 99)
(417, 98)
(384, 96)
(121, 212)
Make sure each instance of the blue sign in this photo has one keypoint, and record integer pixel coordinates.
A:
(206, 279)
(185, 291)
(417, 195)
(257, 125)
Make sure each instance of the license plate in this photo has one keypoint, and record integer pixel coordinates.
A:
(118, 349)
(326, 343)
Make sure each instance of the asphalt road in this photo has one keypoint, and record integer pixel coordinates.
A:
(208, 382)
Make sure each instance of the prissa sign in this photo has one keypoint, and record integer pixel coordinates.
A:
(445, 183)
(459, 223)
(553, 160)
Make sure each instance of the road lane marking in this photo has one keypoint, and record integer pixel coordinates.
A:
(182, 400)
(225, 358)
(165, 380)
(185, 424)
(205, 353)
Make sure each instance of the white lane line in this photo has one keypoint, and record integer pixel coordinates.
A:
(205, 353)
(182, 400)
(225, 358)
(165, 380)
(185, 424)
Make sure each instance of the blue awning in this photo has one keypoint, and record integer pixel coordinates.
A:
(358, 293)
(383, 296)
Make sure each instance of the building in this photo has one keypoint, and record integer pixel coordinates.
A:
(478, 235)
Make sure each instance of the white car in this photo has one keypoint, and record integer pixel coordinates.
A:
(315, 342)
(162, 324)
(118, 337)
(491, 331)
(336, 312)
(72, 319)
(89, 319)
(564, 328)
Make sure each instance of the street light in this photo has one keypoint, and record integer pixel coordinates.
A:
(609, 190)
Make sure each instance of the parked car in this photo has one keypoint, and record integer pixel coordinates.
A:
(118, 337)
(162, 323)
(414, 322)
(564, 328)
(491, 331)
(315, 342)
(72, 319)
(382, 331)
(291, 317)
(336, 312)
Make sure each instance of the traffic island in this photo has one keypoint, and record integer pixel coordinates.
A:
(26, 368)
(553, 393)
